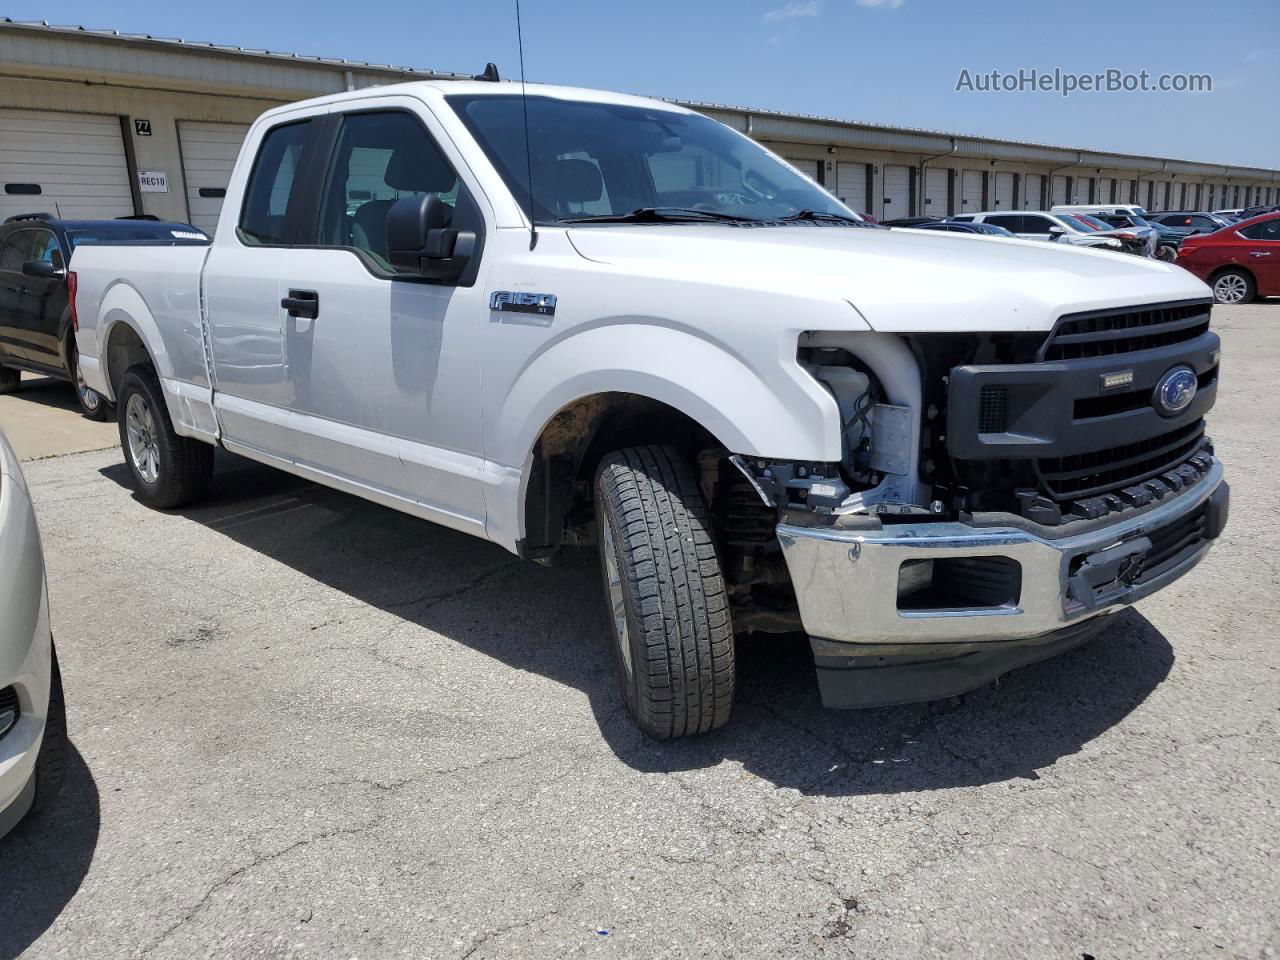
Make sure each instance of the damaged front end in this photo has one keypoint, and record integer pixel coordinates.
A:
(958, 538)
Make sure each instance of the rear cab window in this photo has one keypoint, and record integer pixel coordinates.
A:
(272, 194)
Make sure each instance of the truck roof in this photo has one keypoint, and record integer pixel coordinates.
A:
(433, 89)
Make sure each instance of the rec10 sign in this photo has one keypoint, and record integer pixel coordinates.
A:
(153, 181)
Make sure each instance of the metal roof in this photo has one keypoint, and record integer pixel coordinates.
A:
(765, 124)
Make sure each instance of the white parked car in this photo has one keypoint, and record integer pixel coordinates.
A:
(32, 719)
(940, 457)
(1109, 209)
(1042, 225)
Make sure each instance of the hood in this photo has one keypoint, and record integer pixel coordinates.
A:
(899, 280)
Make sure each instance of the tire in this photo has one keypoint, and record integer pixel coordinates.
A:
(168, 470)
(92, 404)
(1167, 254)
(9, 379)
(51, 761)
(665, 597)
(1233, 286)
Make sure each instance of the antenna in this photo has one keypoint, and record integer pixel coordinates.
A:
(528, 150)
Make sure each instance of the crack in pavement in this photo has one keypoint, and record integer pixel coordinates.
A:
(234, 875)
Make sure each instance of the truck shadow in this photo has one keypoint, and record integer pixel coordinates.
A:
(44, 860)
(550, 621)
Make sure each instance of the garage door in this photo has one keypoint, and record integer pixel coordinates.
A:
(851, 186)
(1103, 190)
(935, 192)
(208, 154)
(1080, 189)
(808, 167)
(1059, 194)
(970, 191)
(68, 164)
(897, 192)
(1031, 186)
(1004, 191)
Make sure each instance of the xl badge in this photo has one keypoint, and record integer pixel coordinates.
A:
(1175, 391)
(508, 301)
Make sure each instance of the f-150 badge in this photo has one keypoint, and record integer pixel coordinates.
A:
(508, 301)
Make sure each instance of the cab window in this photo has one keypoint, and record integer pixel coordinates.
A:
(272, 185)
(379, 158)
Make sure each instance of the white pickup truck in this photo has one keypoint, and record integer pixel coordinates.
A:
(939, 456)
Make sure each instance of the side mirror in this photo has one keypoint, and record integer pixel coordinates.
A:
(419, 241)
(46, 269)
(1055, 232)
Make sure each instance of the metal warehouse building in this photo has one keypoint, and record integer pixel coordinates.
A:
(100, 124)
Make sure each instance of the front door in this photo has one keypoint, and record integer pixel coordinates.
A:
(384, 368)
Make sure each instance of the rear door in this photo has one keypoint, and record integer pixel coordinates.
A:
(1262, 255)
(1035, 226)
(242, 293)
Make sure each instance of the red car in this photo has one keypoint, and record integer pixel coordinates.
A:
(1239, 262)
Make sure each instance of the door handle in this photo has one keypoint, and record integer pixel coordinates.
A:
(302, 303)
(1259, 253)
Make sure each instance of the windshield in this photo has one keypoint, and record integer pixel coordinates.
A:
(598, 160)
(1093, 221)
(1079, 223)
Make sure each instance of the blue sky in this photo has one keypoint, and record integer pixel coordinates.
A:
(888, 61)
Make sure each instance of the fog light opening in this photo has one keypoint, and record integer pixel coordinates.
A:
(959, 583)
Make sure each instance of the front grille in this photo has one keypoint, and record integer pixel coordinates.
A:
(993, 409)
(8, 709)
(1111, 332)
(1085, 474)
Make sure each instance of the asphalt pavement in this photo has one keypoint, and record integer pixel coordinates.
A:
(307, 726)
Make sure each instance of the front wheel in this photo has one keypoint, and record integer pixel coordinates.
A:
(1233, 286)
(92, 404)
(168, 470)
(667, 607)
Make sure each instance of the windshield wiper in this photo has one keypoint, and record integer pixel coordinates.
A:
(822, 215)
(659, 215)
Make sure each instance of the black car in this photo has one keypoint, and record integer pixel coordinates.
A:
(909, 221)
(1190, 221)
(37, 291)
(958, 226)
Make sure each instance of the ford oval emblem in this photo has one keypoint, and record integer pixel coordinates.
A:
(1175, 391)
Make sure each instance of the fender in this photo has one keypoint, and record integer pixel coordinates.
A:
(786, 416)
(190, 403)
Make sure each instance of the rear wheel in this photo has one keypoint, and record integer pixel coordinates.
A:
(667, 607)
(1233, 286)
(168, 470)
(9, 379)
(92, 404)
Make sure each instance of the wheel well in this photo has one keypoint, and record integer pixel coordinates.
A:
(124, 349)
(571, 446)
(1232, 266)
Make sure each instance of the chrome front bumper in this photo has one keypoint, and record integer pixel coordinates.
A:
(847, 580)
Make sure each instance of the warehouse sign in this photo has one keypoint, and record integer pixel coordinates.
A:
(153, 181)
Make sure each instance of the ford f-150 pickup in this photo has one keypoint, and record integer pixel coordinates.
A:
(577, 319)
